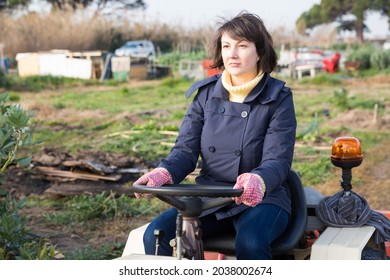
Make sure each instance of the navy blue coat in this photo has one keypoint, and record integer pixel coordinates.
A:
(256, 136)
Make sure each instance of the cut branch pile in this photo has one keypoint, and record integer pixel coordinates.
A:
(57, 173)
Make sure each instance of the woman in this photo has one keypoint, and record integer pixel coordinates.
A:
(242, 125)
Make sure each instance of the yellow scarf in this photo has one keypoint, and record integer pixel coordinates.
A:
(238, 93)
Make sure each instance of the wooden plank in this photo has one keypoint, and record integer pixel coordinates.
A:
(51, 171)
(61, 190)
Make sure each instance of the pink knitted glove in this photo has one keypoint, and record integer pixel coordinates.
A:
(155, 178)
(254, 189)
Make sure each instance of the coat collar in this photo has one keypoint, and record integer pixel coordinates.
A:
(267, 90)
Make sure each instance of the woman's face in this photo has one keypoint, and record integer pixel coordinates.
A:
(239, 58)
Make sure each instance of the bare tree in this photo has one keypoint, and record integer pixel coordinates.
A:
(100, 4)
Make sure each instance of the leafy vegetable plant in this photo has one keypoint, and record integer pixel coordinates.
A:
(14, 133)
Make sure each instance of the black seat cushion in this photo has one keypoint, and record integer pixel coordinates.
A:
(290, 238)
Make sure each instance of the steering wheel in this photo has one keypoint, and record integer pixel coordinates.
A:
(190, 200)
(187, 197)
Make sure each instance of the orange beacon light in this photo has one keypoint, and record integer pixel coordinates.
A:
(346, 154)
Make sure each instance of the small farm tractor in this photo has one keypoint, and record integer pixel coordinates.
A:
(308, 236)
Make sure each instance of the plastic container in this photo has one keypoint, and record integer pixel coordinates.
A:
(4, 65)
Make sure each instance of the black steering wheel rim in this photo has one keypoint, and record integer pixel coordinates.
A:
(187, 198)
(189, 190)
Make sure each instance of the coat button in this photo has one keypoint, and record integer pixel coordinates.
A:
(244, 114)
(221, 110)
(237, 153)
(212, 149)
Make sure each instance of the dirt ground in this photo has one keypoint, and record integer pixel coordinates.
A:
(90, 234)
(373, 175)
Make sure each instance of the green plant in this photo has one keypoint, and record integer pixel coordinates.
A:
(4, 81)
(309, 132)
(340, 98)
(14, 133)
(16, 241)
(380, 60)
(369, 56)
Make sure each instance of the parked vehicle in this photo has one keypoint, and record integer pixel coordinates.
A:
(138, 49)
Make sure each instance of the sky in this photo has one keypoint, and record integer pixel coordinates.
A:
(273, 12)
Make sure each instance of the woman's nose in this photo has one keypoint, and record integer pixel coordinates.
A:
(233, 52)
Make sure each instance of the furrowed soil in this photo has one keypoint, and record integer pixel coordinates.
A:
(373, 174)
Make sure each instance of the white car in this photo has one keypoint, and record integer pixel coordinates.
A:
(139, 49)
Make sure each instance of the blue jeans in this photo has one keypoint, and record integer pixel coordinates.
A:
(255, 229)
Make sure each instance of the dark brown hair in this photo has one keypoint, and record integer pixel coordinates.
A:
(249, 27)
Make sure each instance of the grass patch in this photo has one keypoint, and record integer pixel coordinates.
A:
(100, 252)
(81, 208)
(315, 171)
(322, 79)
(137, 99)
(39, 83)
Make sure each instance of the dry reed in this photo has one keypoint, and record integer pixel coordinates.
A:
(82, 31)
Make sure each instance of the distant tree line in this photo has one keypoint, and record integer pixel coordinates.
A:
(349, 14)
(30, 31)
(10, 5)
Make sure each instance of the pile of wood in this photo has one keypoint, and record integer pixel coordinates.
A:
(68, 176)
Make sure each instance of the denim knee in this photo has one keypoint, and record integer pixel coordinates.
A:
(249, 248)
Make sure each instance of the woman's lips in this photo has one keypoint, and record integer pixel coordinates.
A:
(234, 64)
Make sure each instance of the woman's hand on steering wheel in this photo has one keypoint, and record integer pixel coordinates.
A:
(254, 189)
(156, 178)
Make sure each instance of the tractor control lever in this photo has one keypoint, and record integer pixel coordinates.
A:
(158, 233)
(179, 234)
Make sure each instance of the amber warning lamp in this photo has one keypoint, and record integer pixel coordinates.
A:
(346, 154)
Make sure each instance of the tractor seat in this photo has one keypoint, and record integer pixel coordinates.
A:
(290, 239)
